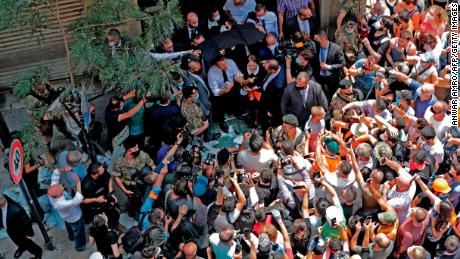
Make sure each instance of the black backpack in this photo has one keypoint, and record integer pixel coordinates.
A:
(133, 240)
(246, 219)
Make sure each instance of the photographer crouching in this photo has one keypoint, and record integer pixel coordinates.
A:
(97, 188)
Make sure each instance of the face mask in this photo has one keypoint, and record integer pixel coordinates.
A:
(298, 61)
(148, 105)
(349, 31)
(382, 136)
(272, 47)
(377, 25)
(197, 98)
(261, 17)
(136, 153)
(223, 28)
(217, 18)
(180, 85)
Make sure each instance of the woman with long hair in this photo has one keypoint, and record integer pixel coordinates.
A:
(442, 217)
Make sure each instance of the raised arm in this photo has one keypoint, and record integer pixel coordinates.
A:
(239, 194)
(425, 189)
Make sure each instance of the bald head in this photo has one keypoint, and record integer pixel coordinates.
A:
(56, 190)
(190, 249)
(382, 240)
(419, 214)
(192, 20)
(377, 176)
(403, 183)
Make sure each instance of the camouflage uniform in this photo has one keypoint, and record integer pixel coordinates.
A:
(193, 114)
(349, 42)
(128, 170)
(339, 100)
(33, 104)
(354, 6)
(299, 139)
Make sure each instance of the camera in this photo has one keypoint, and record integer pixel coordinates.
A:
(210, 159)
(192, 154)
(299, 42)
(189, 172)
(283, 159)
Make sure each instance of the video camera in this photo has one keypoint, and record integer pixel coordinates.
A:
(298, 43)
(283, 159)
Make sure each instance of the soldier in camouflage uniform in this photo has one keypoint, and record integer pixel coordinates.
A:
(126, 174)
(37, 103)
(192, 111)
(289, 130)
(344, 95)
(348, 38)
(350, 7)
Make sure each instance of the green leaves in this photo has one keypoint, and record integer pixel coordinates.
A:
(33, 142)
(29, 79)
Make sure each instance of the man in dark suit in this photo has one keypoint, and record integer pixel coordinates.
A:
(305, 21)
(193, 77)
(272, 90)
(269, 50)
(329, 62)
(183, 37)
(18, 226)
(300, 96)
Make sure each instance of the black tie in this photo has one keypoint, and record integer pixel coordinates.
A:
(224, 74)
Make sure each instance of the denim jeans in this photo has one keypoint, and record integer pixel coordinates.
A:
(77, 232)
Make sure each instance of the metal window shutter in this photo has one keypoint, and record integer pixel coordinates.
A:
(20, 50)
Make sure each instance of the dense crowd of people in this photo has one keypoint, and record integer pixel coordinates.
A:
(349, 151)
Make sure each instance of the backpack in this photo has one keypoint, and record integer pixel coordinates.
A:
(245, 220)
(133, 240)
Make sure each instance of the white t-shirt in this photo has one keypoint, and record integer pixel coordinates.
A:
(441, 127)
(256, 163)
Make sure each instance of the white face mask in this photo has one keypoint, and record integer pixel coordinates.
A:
(261, 17)
(217, 18)
(272, 47)
(223, 28)
(349, 31)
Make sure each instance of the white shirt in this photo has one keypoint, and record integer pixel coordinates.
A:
(69, 210)
(4, 214)
(441, 127)
(258, 162)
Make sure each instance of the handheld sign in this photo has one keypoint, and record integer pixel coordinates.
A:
(16, 161)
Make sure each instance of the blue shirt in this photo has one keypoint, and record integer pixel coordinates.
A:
(79, 169)
(323, 58)
(269, 22)
(420, 106)
(364, 81)
(240, 13)
(216, 79)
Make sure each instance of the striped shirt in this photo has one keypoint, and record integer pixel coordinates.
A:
(291, 7)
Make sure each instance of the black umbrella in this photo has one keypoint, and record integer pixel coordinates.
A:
(245, 34)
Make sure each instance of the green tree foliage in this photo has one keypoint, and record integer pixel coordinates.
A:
(130, 68)
(33, 142)
(30, 78)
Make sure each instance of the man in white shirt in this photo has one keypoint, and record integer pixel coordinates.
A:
(437, 117)
(68, 207)
(222, 244)
(431, 145)
(256, 158)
